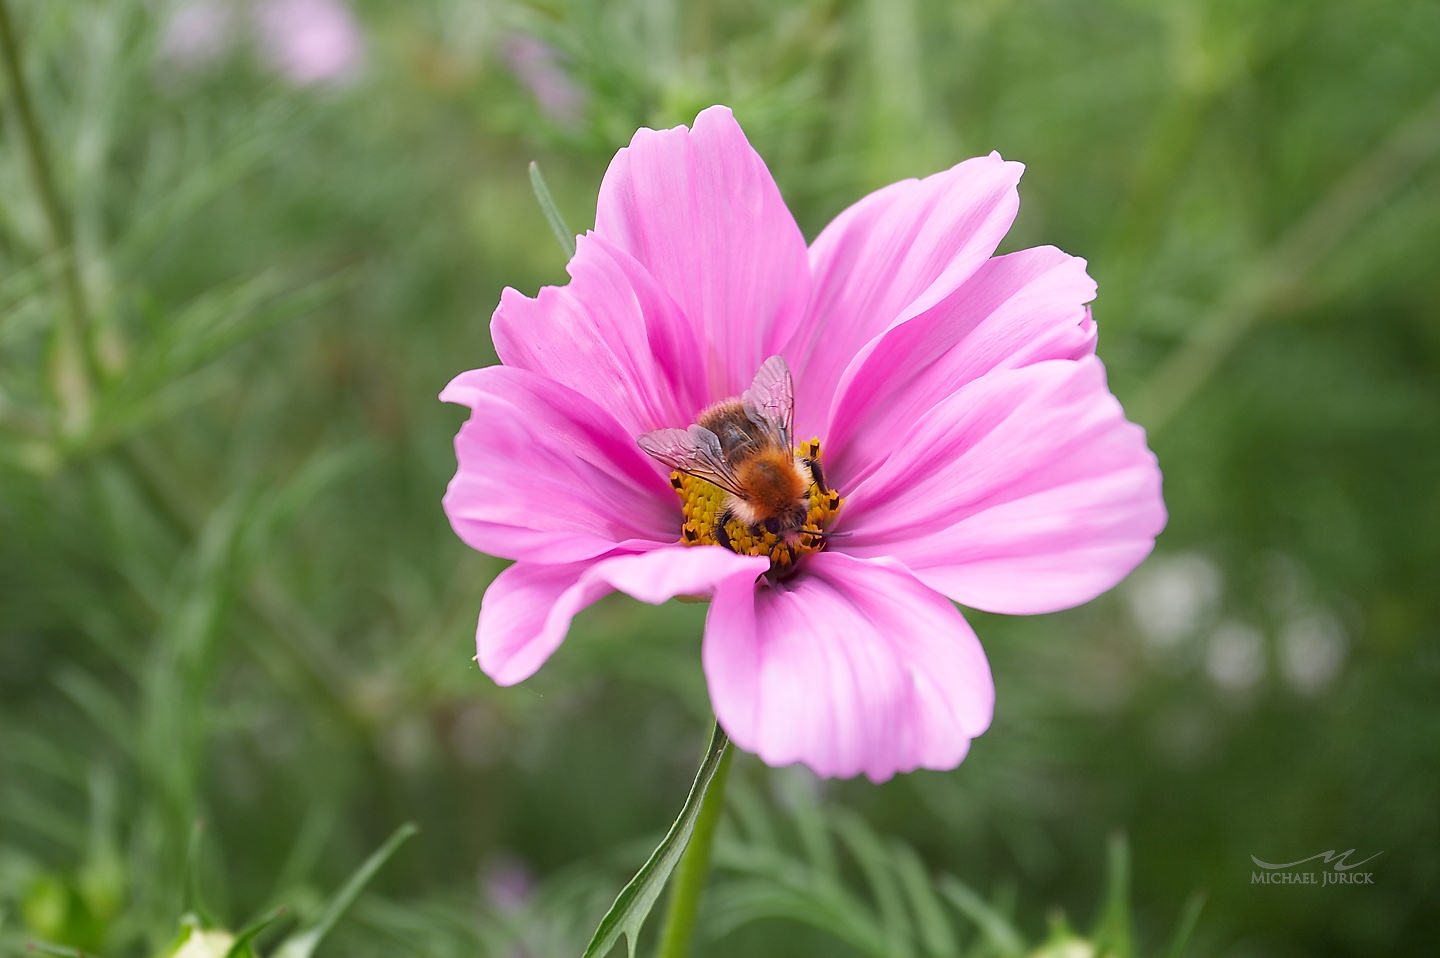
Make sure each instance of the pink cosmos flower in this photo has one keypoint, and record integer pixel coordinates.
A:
(966, 430)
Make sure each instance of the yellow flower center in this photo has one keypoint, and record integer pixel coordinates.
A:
(703, 504)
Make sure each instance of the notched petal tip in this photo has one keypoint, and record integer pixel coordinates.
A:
(717, 115)
(1018, 167)
(699, 210)
(464, 389)
(715, 110)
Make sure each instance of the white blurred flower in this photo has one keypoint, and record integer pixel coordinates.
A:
(1171, 595)
(1070, 947)
(204, 944)
(1312, 650)
(1235, 656)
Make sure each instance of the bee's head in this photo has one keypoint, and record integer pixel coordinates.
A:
(790, 519)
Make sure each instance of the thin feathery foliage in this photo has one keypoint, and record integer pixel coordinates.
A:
(796, 860)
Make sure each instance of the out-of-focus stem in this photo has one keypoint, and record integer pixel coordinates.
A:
(76, 369)
(562, 232)
(679, 929)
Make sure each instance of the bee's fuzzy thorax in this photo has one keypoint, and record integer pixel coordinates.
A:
(772, 481)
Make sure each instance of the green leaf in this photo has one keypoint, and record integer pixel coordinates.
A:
(59, 951)
(633, 904)
(820, 904)
(931, 922)
(194, 900)
(1189, 918)
(797, 793)
(244, 946)
(551, 211)
(1112, 932)
(303, 944)
(747, 812)
(885, 891)
(993, 925)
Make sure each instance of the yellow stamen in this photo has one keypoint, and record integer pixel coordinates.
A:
(703, 504)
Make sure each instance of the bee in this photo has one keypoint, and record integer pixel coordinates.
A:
(745, 447)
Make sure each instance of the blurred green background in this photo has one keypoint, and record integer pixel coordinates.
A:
(228, 594)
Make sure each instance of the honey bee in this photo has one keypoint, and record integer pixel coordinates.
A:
(745, 447)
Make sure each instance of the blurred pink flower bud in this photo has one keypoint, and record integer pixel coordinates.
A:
(538, 66)
(309, 41)
(198, 34)
(508, 883)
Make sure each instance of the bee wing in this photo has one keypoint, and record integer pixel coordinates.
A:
(696, 451)
(770, 400)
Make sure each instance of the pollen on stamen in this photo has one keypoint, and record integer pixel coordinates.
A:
(703, 503)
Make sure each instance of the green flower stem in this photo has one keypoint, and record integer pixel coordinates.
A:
(684, 904)
(75, 363)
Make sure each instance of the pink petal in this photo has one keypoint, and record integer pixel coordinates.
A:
(1017, 309)
(529, 607)
(612, 335)
(701, 212)
(890, 257)
(1026, 491)
(851, 667)
(546, 475)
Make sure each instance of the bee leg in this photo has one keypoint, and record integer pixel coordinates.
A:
(817, 474)
(721, 536)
